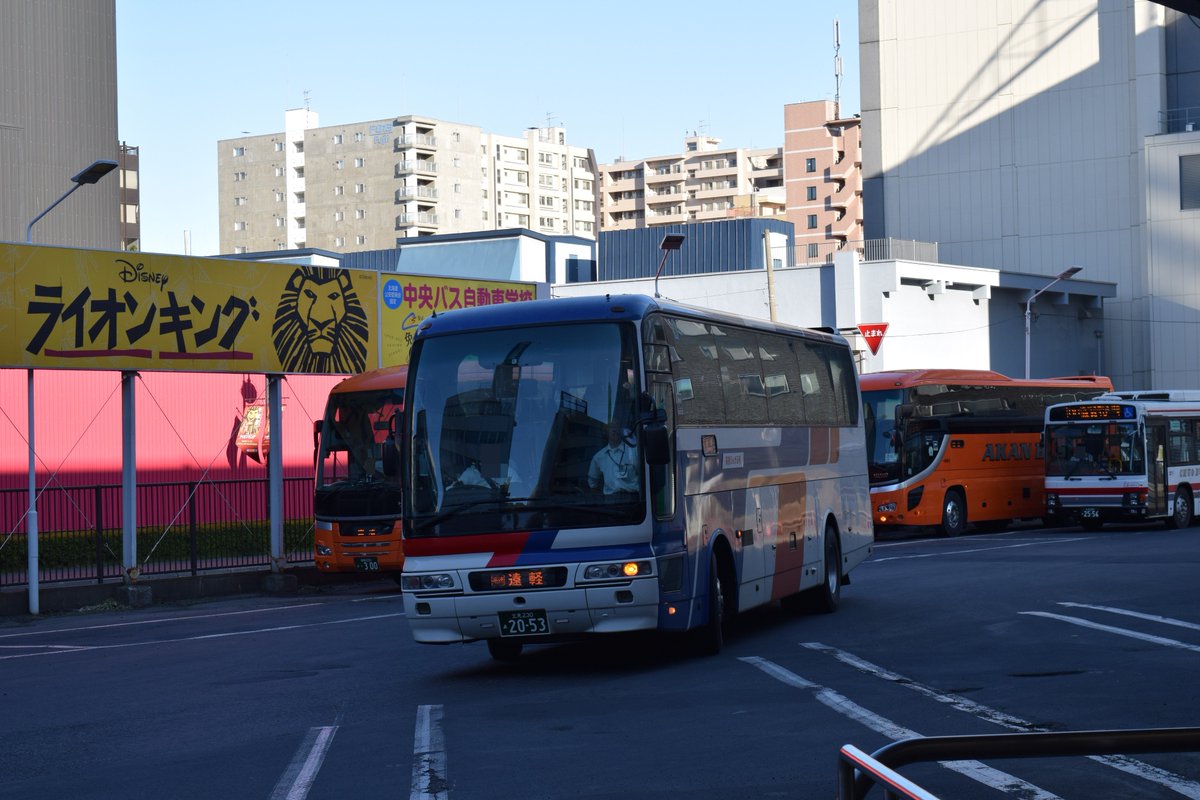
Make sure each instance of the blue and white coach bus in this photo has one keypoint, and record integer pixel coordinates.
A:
(1124, 457)
(617, 463)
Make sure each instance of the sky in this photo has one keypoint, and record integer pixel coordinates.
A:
(626, 79)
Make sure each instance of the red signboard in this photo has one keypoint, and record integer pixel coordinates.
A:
(873, 332)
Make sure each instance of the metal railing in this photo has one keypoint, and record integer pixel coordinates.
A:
(1179, 120)
(183, 527)
(858, 773)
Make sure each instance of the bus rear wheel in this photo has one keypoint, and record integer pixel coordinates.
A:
(828, 595)
(954, 513)
(1181, 513)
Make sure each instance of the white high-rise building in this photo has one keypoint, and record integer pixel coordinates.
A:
(370, 185)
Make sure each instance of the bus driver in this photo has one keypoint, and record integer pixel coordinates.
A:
(615, 466)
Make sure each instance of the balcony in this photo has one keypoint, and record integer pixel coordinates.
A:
(405, 193)
(419, 165)
(421, 218)
(416, 140)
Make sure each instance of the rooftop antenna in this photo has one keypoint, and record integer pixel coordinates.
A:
(837, 70)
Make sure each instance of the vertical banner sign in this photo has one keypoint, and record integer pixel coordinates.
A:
(406, 300)
(873, 333)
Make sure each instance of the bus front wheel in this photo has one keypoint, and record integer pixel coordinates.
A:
(1181, 516)
(710, 638)
(954, 513)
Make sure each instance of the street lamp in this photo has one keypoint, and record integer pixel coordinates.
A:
(93, 173)
(672, 241)
(1062, 276)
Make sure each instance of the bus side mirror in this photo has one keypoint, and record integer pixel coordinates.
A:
(656, 443)
(391, 457)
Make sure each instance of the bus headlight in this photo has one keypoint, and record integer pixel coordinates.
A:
(423, 583)
(324, 550)
(885, 508)
(1052, 502)
(1134, 499)
(615, 570)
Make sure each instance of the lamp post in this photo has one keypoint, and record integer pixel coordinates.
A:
(91, 174)
(672, 241)
(1062, 276)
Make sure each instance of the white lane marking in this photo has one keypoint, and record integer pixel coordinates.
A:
(973, 550)
(429, 778)
(981, 773)
(154, 621)
(1145, 637)
(204, 636)
(1137, 615)
(300, 774)
(1132, 766)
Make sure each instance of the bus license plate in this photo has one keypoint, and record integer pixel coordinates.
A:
(1090, 513)
(366, 564)
(524, 623)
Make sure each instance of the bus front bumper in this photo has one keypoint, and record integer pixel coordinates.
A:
(568, 612)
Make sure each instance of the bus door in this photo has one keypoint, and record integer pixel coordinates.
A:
(1156, 468)
(759, 521)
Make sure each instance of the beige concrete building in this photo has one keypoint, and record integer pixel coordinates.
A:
(369, 185)
(705, 182)
(822, 167)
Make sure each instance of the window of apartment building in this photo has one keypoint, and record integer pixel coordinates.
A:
(239, 225)
(338, 216)
(523, 220)
(339, 164)
(279, 172)
(279, 222)
(337, 138)
(546, 180)
(339, 190)
(239, 176)
(583, 186)
(279, 147)
(299, 197)
(583, 226)
(581, 163)
(456, 162)
(545, 202)
(339, 241)
(810, 165)
(455, 136)
(546, 223)
(239, 201)
(239, 151)
(360, 162)
(279, 196)
(300, 223)
(812, 193)
(583, 205)
(360, 213)
(547, 159)
(359, 136)
(299, 171)
(1189, 182)
(240, 249)
(458, 188)
(298, 147)
(359, 188)
(814, 250)
(812, 222)
(458, 213)
(360, 239)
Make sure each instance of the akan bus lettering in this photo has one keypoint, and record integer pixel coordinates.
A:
(1012, 451)
(106, 319)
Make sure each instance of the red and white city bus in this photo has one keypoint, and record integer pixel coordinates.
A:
(1124, 457)
(617, 463)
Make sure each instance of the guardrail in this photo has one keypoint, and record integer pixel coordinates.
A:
(858, 772)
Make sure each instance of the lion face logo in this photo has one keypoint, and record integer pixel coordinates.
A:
(320, 325)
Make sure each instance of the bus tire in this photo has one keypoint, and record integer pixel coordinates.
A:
(710, 638)
(504, 649)
(1181, 511)
(828, 595)
(954, 513)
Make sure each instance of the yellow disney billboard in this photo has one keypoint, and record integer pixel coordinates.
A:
(98, 309)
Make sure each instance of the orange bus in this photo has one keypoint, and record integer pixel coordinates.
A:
(951, 448)
(356, 500)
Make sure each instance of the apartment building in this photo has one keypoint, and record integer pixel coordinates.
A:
(705, 182)
(822, 168)
(131, 224)
(370, 185)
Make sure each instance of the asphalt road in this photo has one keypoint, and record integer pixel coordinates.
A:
(324, 695)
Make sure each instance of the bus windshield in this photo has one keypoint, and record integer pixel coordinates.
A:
(356, 434)
(524, 429)
(879, 419)
(1094, 448)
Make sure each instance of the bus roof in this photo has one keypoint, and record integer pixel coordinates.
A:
(1155, 395)
(595, 308)
(903, 378)
(382, 378)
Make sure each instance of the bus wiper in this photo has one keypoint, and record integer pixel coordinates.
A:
(537, 504)
(446, 513)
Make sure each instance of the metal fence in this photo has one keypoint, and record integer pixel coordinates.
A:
(196, 526)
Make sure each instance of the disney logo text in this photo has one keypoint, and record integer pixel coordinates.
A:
(137, 273)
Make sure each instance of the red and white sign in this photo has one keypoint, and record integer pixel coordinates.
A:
(873, 332)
